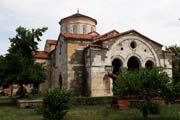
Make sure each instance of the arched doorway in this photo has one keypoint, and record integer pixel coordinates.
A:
(116, 64)
(149, 64)
(133, 63)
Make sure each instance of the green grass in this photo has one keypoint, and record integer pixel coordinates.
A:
(169, 112)
(10, 112)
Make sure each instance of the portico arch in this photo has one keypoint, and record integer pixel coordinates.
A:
(116, 65)
(133, 63)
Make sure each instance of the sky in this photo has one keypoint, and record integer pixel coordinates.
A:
(156, 19)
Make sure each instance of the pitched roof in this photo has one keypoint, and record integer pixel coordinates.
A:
(78, 36)
(76, 15)
(94, 33)
(108, 35)
(96, 46)
(167, 51)
(124, 33)
(40, 54)
(51, 42)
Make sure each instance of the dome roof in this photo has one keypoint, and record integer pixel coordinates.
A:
(76, 16)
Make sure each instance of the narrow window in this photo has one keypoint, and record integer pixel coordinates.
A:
(75, 29)
(84, 29)
(92, 29)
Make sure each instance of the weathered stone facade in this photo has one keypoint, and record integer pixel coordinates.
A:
(81, 58)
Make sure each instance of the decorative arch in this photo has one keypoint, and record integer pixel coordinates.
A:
(149, 59)
(149, 64)
(133, 63)
(124, 38)
(138, 57)
(117, 64)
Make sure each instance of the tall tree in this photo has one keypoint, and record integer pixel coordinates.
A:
(176, 69)
(176, 62)
(20, 61)
(2, 69)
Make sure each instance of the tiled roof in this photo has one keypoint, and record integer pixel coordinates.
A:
(94, 33)
(96, 46)
(40, 54)
(51, 42)
(107, 35)
(78, 36)
(166, 51)
(123, 33)
(77, 15)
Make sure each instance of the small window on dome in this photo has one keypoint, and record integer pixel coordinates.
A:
(66, 29)
(75, 29)
(92, 29)
(84, 29)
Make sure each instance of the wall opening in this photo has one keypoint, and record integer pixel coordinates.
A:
(149, 64)
(75, 29)
(60, 81)
(116, 64)
(133, 63)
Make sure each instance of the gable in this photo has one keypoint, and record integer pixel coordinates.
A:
(131, 33)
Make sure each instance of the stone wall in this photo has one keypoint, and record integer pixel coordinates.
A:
(76, 66)
(97, 59)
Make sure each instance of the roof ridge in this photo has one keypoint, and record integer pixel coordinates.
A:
(113, 30)
(77, 15)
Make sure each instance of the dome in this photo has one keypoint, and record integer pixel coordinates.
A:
(78, 24)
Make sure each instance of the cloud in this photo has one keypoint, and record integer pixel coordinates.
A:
(155, 19)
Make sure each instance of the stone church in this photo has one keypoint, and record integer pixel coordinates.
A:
(86, 61)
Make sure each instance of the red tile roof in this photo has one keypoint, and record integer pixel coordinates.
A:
(123, 33)
(107, 35)
(40, 54)
(51, 42)
(166, 51)
(94, 33)
(78, 36)
(76, 15)
(96, 46)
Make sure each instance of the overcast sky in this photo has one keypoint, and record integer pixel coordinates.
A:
(156, 19)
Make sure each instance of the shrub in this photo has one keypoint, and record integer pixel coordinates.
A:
(144, 85)
(56, 103)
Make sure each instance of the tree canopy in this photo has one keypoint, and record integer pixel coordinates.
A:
(143, 84)
(19, 66)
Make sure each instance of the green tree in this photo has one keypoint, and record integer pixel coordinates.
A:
(2, 69)
(144, 84)
(176, 62)
(176, 69)
(20, 64)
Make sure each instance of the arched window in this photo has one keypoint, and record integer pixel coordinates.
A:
(133, 63)
(116, 64)
(149, 64)
(92, 29)
(84, 29)
(75, 29)
(66, 29)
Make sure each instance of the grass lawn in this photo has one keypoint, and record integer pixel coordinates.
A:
(11, 112)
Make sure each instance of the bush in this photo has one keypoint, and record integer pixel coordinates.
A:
(144, 85)
(56, 103)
